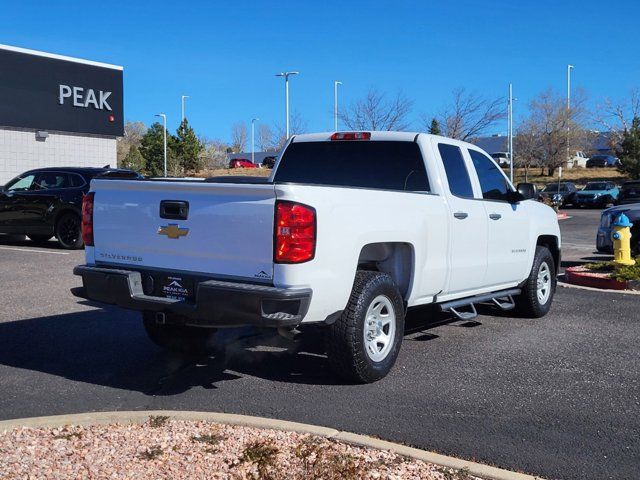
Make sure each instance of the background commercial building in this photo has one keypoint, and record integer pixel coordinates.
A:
(57, 111)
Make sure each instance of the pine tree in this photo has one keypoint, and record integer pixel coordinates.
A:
(133, 160)
(152, 149)
(434, 128)
(188, 148)
(630, 150)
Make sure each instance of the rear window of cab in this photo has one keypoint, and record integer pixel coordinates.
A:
(383, 165)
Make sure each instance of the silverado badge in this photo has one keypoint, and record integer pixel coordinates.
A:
(173, 231)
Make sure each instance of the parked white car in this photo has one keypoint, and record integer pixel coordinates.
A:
(579, 159)
(501, 158)
(350, 230)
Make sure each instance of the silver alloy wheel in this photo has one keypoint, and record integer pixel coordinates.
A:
(543, 284)
(379, 328)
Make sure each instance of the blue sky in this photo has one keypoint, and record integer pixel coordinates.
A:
(224, 53)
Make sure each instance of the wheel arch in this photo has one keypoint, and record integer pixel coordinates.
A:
(397, 259)
(552, 244)
(64, 210)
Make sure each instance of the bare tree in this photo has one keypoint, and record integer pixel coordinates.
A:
(297, 125)
(214, 155)
(133, 133)
(616, 118)
(376, 112)
(552, 130)
(239, 137)
(527, 144)
(469, 115)
(266, 138)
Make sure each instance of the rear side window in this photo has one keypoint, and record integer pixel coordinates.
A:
(454, 166)
(367, 164)
(494, 185)
(52, 180)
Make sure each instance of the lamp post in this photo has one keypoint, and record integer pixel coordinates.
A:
(164, 121)
(253, 121)
(286, 97)
(335, 104)
(182, 102)
(510, 131)
(569, 68)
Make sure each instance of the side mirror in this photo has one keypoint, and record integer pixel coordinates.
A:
(1, 188)
(528, 191)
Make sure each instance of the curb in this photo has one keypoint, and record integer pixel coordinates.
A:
(476, 469)
(564, 284)
(580, 276)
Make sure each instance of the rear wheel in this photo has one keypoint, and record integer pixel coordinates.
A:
(539, 289)
(179, 338)
(68, 231)
(39, 238)
(363, 344)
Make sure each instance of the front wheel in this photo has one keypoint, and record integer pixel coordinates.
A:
(539, 288)
(363, 344)
(68, 231)
(179, 338)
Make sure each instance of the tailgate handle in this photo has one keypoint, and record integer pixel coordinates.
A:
(174, 209)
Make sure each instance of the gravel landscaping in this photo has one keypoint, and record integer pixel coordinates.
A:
(164, 448)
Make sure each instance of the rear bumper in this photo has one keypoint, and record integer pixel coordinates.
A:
(216, 304)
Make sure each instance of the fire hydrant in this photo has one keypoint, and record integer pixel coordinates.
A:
(621, 237)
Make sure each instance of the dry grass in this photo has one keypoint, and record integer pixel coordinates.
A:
(245, 172)
(580, 176)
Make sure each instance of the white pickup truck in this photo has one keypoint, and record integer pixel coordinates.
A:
(350, 230)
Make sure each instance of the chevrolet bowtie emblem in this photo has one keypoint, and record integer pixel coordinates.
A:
(173, 231)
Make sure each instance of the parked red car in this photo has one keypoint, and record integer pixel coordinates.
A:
(241, 163)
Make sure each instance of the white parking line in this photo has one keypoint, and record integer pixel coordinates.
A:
(34, 251)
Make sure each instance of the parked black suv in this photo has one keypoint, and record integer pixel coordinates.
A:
(629, 193)
(47, 202)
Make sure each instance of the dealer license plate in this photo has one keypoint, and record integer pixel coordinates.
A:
(178, 288)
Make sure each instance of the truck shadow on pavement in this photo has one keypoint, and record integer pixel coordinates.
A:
(109, 347)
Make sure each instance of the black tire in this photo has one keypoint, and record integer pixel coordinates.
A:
(39, 238)
(345, 339)
(179, 338)
(68, 231)
(528, 303)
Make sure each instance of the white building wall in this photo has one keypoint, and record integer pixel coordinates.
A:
(20, 150)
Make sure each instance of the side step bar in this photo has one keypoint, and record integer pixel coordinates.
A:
(502, 299)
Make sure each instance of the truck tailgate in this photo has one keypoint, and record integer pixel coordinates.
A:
(228, 230)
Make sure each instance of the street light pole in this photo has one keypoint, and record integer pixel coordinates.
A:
(253, 121)
(335, 104)
(286, 97)
(164, 121)
(569, 68)
(510, 131)
(182, 101)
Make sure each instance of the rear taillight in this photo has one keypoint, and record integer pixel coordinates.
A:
(351, 136)
(295, 233)
(87, 219)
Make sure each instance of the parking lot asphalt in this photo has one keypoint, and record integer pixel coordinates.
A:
(579, 236)
(557, 397)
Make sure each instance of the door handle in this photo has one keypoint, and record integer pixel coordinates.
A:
(495, 216)
(461, 215)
